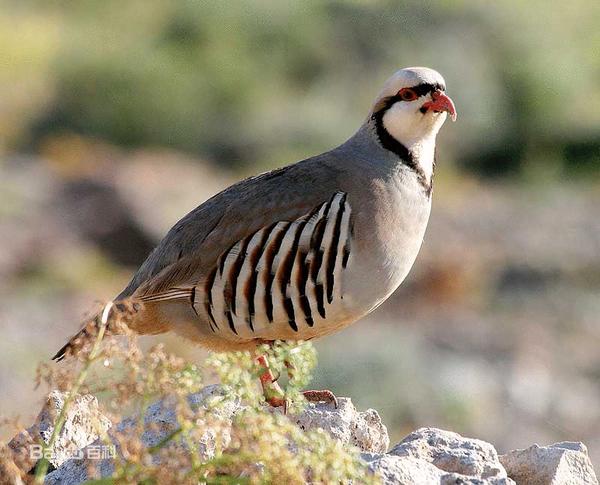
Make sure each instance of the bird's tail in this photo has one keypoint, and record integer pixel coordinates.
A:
(114, 319)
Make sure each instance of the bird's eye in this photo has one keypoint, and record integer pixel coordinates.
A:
(407, 94)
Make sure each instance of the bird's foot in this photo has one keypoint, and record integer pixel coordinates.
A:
(274, 395)
(276, 398)
(323, 395)
(272, 392)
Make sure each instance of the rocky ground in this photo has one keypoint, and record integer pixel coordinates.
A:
(426, 456)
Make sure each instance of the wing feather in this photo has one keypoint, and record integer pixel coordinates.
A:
(190, 250)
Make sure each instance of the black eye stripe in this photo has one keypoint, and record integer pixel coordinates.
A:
(426, 88)
(420, 89)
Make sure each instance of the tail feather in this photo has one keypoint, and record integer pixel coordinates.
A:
(113, 314)
(76, 342)
(62, 353)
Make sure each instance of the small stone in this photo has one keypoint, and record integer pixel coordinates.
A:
(452, 453)
(402, 470)
(565, 463)
(365, 430)
(83, 425)
(160, 419)
(77, 471)
(408, 470)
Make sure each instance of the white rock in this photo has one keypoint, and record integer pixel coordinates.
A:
(76, 471)
(565, 463)
(351, 427)
(82, 426)
(365, 430)
(452, 453)
(407, 470)
(403, 470)
(426, 456)
(161, 420)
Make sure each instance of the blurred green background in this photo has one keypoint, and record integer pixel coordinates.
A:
(116, 118)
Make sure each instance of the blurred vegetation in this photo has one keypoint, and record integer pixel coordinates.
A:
(264, 83)
(255, 447)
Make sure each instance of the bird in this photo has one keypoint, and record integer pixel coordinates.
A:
(302, 251)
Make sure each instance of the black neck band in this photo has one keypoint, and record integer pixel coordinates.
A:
(390, 143)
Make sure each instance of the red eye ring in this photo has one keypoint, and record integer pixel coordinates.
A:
(407, 94)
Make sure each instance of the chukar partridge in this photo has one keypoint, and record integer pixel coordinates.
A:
(305, 250)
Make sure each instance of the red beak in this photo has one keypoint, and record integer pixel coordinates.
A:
(440, 102)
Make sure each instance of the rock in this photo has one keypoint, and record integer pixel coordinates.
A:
(76, 471)
(408, 470)
(402, 470)
(426, 456)
(561, 463)
(159, 422)
(82, 426)
(160, 419)
(430, 456)
(452, 453)
(364, 430)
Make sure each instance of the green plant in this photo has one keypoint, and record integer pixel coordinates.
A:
(256, 446)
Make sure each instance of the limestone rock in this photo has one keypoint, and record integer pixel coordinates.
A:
(82, 426)
(452, 453)
(160, 419)
(159, 422)
(76, 471)
(426, 456)
(565, 463)
(402, 470)
(408, 470)
(365, 430)
(433, 456)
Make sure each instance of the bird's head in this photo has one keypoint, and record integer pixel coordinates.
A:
(413, 105)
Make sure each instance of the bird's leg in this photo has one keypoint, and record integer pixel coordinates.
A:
(275, 396)
(273, 393)
(323, 395)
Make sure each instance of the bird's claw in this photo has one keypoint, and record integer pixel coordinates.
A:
(323, 395)
(274, 395)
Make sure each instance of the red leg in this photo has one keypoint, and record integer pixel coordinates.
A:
(275, 396)
(271, 390)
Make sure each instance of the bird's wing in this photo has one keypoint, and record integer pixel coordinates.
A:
(191, 249)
